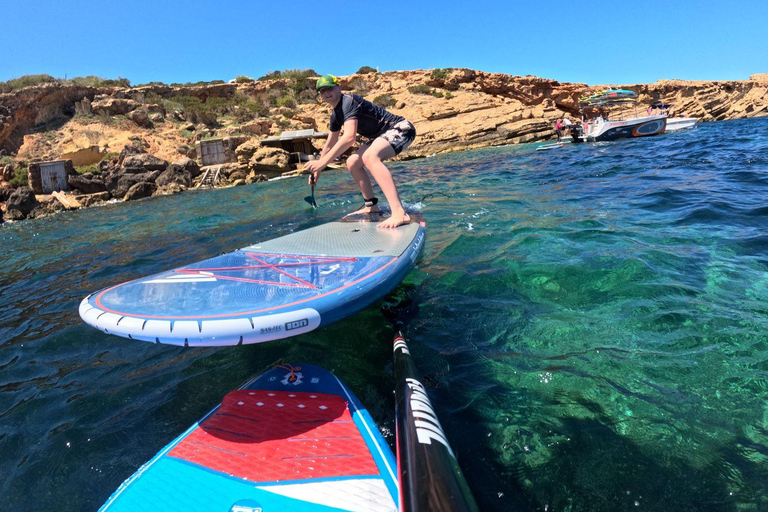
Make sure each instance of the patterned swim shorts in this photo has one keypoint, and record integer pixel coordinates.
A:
(400, 136)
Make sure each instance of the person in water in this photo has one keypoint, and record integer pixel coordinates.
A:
(388, 135)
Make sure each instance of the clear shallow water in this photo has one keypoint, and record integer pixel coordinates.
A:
(592, 320)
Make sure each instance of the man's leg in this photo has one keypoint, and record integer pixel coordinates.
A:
(372, 158)
(355, 168)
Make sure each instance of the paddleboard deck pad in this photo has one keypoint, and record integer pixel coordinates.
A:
(294, 438)
(267, 291)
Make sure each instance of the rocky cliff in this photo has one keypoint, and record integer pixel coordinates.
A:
(452, 109)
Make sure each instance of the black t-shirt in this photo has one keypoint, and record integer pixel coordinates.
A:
(372, 120)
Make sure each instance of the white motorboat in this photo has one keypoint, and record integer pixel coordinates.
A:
(623, 122)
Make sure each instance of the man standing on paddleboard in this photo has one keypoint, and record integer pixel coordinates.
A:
(388, 135)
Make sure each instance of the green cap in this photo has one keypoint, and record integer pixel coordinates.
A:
(327, 81)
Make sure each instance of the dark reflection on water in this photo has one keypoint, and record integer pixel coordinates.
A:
(591, 322)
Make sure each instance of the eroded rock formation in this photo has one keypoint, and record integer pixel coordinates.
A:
(451, 109)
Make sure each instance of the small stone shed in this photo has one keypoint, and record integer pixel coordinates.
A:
(47, 177)
(218, 151)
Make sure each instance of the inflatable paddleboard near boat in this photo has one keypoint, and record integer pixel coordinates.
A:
(267, 291)
(547, 147)
(293, 439)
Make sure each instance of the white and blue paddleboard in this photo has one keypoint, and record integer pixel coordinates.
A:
(267, 291)
(293, 439)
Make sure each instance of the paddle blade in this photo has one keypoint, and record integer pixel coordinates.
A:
(311, 198)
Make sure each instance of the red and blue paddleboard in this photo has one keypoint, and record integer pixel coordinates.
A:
(295, 439)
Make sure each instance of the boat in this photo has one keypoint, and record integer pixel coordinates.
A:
(620, 105)
(674, 124)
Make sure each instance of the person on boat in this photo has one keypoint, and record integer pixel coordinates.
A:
(388, 135)
(650, 110)
(559, 128)
(567, 126)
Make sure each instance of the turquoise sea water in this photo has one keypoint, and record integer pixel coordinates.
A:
(593, 323)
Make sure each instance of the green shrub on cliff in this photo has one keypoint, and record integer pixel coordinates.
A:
(300, 81)
(238, 105)
(242, 79)
(272, 75)
(420, 89)
(286, 101)
(97, 81)
(152, 84)
(385, 101)
(440, 73)
(25, 81)
(80, 81)
(289, 74)
(20, 176)
(366, 70)
(93, 169)
(201, 83)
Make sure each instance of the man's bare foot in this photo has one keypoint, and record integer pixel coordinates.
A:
(395, 220)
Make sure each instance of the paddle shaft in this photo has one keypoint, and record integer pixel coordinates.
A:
(430, 477)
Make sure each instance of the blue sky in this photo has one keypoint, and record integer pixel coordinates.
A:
(620, 43)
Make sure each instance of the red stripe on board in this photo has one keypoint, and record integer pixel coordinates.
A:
(271, 308)
(242, 279)
(273, 267)
(271, 436)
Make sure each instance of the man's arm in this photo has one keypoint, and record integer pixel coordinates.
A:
(333, 148)
(329, 143)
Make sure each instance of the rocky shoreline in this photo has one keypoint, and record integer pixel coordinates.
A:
(130, 143)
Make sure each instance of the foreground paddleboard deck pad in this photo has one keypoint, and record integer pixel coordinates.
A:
(267, 291)
(293, 439)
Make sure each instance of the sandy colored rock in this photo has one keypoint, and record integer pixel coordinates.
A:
(93, 199)
(246, 150)
(257, 127)
(267, 159)
(114, 106)
(67, 200)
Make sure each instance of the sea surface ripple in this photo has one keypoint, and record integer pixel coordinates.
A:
(592, 322)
